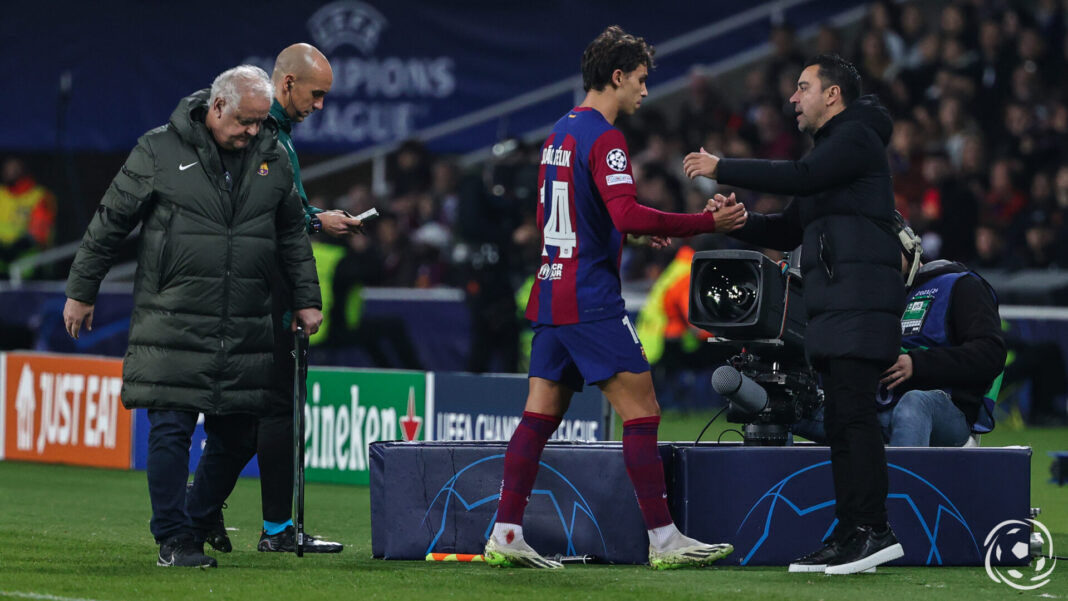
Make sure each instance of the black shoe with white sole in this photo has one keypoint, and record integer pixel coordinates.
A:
(864, 549)
(817, 560)
(286, 542)
(181, 551)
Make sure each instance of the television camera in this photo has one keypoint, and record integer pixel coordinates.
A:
(750, 302)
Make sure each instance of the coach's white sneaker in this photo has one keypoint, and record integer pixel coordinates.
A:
(517, 554)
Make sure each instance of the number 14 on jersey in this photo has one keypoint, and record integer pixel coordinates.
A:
(558, 230)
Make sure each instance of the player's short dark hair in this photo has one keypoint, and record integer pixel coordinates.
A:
(837, 71)
(613, 49)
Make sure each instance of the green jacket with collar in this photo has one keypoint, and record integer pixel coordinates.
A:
(200, 333)
(285, 126)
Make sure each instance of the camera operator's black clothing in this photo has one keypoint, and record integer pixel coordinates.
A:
(853, 289)
(976, 354)
(854, 292)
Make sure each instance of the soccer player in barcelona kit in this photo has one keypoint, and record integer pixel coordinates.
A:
(587, 205)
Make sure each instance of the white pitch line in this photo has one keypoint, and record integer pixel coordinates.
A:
(40, 596)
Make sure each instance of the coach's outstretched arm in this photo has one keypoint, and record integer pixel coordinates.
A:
(780, 231)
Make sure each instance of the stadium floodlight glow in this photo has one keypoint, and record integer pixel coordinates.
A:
(743, 295)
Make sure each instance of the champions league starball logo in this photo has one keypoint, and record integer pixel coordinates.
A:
(617, 159)
(1009, 541)
(459, 505)
(797, 499)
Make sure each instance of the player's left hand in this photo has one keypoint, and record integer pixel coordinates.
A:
(899, 372)
(700, 163)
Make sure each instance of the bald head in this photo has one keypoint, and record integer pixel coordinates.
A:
(302, 77)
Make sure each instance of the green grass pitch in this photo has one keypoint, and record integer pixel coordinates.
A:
(76, 533)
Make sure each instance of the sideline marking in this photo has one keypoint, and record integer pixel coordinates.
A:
(41, 596)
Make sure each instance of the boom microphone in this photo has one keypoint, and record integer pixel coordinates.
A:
(740, 389)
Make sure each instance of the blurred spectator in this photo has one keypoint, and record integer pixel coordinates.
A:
(994, 70)
(1040, 244)
(913, 27)
(411, 169)
(785, 55)
(906, 156)
(398, 266)
(774, 140)
(384, 338)
(881, 21)
(990, 251)
(877, 67)
(952, 120)
(828, 41)
(1005, 198)
(27, 214)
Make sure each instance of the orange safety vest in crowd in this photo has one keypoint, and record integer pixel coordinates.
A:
(666, 311)
(27, 208)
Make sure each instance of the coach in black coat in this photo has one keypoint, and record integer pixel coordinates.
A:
(853, 289)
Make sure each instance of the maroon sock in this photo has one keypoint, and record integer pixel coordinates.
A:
(645, 469)
(521, 464)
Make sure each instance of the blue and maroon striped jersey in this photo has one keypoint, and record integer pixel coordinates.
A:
(584, 164)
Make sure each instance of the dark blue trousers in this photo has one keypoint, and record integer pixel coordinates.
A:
(230, 444)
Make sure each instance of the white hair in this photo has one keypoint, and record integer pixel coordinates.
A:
(233, 84)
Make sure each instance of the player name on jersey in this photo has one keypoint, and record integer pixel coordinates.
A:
(557, 157)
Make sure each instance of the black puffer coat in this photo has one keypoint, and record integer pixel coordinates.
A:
(200, 334)
(853, 288)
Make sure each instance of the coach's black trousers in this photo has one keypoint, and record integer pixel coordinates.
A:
(230, 444)
(858, 457)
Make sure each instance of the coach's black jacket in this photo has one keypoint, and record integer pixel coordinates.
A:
(853, 289)
(200, 333)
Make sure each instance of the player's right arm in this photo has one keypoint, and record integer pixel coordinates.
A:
(612, 174)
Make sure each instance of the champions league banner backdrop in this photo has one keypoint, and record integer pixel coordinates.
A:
(111, 71)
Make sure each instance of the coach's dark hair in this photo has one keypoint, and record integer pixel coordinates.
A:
(837, 71)
(613, 49)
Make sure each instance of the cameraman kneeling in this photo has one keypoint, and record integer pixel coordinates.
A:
(934, 393)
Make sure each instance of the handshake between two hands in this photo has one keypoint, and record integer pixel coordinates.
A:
(730, 215)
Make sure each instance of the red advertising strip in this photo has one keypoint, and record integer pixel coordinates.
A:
(65, 409)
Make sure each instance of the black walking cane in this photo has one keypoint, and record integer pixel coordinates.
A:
(300, 366)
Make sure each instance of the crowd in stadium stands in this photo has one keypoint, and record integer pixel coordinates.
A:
(979, 150)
